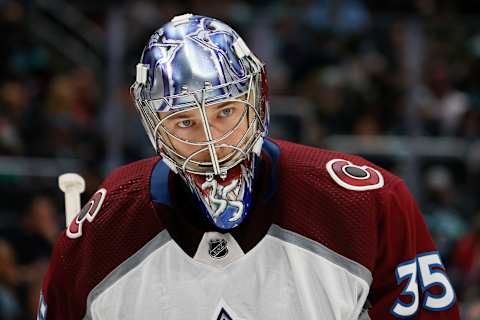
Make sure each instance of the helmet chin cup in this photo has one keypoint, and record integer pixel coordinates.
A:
(224, 201)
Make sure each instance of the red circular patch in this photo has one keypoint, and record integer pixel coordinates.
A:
(353, 177)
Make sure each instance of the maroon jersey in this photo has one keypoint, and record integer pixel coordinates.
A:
(352, 225)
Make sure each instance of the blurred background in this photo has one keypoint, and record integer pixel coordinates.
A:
(397, 82)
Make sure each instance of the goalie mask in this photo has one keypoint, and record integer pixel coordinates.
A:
(202, 98)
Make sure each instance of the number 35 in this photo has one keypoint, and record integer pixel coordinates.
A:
(421, 268)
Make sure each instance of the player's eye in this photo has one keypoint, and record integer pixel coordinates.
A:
(226, 112)
(187, 123)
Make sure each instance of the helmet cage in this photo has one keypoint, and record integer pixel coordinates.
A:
(247, 90)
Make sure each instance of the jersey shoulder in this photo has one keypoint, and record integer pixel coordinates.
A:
(129, 180)
(117, 221)
(333, 198)
(350, 172)
(124, 188)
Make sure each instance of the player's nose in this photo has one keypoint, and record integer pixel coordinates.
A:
(216, 132)
(221, 146)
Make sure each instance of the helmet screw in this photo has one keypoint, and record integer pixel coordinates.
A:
(223, 175)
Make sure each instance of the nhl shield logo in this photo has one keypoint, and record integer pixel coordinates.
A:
(217, 248)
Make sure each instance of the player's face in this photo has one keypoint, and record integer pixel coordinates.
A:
(227, 122)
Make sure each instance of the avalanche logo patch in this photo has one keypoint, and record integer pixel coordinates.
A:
(217, 248)
(88, 212)
(353, 177)
(223, 315)
(224, 312)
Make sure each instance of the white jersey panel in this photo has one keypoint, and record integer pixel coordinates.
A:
(285, 277)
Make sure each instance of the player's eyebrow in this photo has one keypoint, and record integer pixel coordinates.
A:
(194, 113)
(231, 104)
(221, 105)
(182, 115)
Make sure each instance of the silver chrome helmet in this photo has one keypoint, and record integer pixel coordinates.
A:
(191, 67)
